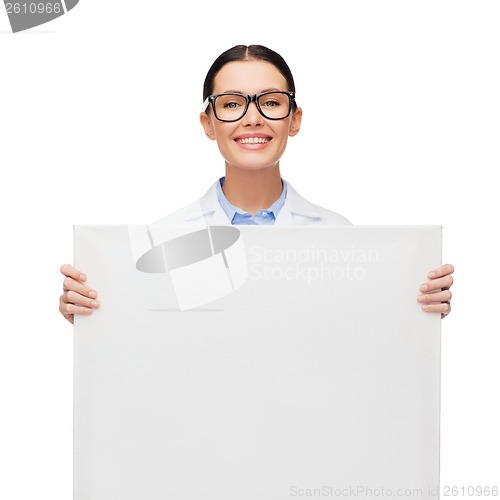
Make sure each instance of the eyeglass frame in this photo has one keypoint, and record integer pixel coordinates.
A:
(250, 98)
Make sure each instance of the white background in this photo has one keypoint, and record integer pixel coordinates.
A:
(99, 124)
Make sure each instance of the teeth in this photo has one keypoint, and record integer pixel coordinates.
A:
(253, 140)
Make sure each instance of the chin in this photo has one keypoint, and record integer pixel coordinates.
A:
(253, 161)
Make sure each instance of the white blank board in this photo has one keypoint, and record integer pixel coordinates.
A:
(281, 362)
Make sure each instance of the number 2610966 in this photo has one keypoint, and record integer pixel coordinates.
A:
(33, 8)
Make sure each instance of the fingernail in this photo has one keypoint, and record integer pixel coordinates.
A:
(432, 275)
(95, 303)
(93, 294)
(426, 308)
(422, 298)
(83, 277)
(423, 288)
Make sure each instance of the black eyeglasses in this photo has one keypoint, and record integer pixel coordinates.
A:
(232, 107)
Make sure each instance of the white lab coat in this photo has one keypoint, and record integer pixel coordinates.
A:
(296, 211)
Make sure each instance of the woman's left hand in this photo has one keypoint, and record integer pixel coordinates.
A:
(435, 293)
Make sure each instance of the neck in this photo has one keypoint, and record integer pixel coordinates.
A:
(252, 190)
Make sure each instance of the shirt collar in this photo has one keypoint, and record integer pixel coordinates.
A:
(230, 210)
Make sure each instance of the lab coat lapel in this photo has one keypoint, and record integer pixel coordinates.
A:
(219, 217)
(209, 210)
(295, 205)
(284, 217)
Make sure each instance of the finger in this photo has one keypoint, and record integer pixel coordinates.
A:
(69, 310)
(445, 313)
(444, 308)
(442, 296)
(441, 271)
(69, 284)
(72, 272)
(437, 284)
(72, 309)
(74, 298)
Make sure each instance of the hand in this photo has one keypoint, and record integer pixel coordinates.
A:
(435, 293)
(77, 297)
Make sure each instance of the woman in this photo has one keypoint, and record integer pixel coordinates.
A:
(250, 110)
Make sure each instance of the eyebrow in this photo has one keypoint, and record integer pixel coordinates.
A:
(262, 91)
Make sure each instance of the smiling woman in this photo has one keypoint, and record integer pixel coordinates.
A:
(250, 111)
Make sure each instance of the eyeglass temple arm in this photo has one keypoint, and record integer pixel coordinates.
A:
(206, 103)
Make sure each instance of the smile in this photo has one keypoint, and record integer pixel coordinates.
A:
(253, 140)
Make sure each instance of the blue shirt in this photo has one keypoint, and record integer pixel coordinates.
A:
(238, 216)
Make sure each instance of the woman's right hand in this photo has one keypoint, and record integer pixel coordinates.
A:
(77, 297)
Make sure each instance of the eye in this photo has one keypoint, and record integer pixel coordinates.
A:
(270, 103)
(230, 101)
(231, 104)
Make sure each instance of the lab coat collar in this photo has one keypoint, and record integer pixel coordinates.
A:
(213, 213)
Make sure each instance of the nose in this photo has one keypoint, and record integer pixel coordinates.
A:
(252, 116)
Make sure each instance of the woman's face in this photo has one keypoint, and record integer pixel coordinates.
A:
(250, 77)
